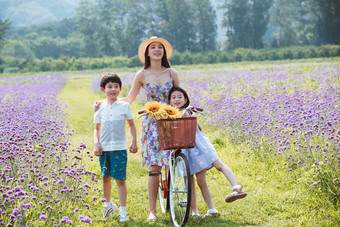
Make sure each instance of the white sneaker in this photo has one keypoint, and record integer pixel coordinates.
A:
(123, 217)
(109, 210)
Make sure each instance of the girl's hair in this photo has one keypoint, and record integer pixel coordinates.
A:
(147, 62)
(175, 88)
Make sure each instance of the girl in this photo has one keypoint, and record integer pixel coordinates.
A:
(202, 158)
(157, 78)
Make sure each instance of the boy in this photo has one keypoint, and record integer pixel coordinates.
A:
(110, 142)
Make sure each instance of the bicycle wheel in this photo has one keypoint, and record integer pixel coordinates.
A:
(163, 195)
(180, 190)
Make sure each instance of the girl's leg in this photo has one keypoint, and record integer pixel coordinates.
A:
(220, 166)
(194, 207)
(153, 189)
(122, 192)
(107, 188)
(202, 183)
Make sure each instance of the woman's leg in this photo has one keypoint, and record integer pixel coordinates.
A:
(107, 188)
(153, 182)
(122, 192)
(202, 183)
(220, 166)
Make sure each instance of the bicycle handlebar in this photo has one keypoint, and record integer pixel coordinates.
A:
(193, 108)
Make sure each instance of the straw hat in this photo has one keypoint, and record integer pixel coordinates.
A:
(145, 43)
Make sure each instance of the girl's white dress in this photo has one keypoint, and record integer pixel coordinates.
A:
(202, 155)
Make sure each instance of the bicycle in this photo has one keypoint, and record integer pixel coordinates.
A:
(174, 191)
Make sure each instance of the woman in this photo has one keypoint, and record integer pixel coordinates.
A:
(157, 78)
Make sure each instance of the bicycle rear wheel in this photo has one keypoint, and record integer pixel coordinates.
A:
(163, 195)
(180, 190)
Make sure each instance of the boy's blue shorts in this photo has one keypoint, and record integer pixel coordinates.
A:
(113, 163)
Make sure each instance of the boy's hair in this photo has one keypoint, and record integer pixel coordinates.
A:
(175, 88)
(110, 77)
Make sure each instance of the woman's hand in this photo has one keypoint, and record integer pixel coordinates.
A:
(96, 105)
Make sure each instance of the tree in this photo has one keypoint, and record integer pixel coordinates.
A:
(258, 19)
(204, 17)
(287, 21)
(46, 47)
(326, 16)
(246, 22)
(176, 24)
(4, 26)
(236, 21)
(138, 25)
(87, 25)
(110, 14)
(17, 49)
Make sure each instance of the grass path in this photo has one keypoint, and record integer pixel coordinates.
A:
(268, 203)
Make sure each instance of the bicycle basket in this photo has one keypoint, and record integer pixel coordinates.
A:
(178, 133)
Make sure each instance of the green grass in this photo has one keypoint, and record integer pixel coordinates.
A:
(273, 198)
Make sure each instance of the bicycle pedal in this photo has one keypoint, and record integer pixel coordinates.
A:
(182, 204)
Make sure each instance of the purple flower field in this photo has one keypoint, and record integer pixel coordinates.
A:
(41, 182)
(287, 117)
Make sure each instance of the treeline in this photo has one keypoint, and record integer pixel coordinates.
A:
(14, 65)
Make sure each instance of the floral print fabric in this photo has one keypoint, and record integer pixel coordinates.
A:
(152, 154)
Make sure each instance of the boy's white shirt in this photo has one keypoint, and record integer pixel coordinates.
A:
(112, 119)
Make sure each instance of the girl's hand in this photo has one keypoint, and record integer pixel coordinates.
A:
(133, 148)
(96, 105)
(98, 150)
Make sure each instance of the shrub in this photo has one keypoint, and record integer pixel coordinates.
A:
(12, 70)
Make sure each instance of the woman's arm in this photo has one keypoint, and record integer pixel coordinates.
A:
(137, 84)
(175, 77)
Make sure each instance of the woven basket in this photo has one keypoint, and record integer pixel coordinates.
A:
(177, 134)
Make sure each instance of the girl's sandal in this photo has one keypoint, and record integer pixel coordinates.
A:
(237, 193)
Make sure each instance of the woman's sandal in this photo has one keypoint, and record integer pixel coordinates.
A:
(195, 214)
(152, 218)
(237, 193)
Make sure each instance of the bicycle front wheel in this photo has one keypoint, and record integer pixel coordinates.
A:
(180, 190)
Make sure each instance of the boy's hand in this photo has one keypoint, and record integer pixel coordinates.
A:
(96, 105)
(133, 148)
(98, 150)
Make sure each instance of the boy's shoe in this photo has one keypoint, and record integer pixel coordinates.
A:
(236, 193)
(211, 213)
(109, 210)
(123, 217)
(152, 217)
(195, 214)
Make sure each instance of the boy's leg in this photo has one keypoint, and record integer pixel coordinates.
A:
(107, 188)
(122, 192)
(220, 166)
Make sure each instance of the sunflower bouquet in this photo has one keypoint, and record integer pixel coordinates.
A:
(162, 111)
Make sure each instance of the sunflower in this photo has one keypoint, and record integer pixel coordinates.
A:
(153, 108)
(171, 112)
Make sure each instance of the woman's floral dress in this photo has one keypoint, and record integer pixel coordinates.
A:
(152, 154)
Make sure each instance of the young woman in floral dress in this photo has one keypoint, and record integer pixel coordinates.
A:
(157, 78)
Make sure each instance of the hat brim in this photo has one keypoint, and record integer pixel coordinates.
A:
(145, 44)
